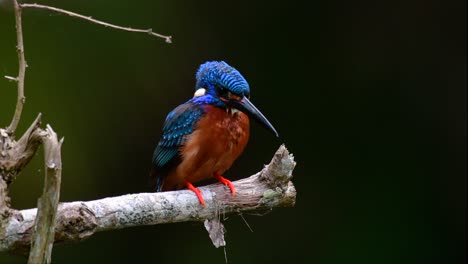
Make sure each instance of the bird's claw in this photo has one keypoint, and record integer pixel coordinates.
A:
(197, 192)
(226, 182)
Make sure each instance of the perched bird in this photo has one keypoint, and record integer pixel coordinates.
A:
(204, 136)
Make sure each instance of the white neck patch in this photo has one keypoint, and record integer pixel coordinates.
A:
(199, 92)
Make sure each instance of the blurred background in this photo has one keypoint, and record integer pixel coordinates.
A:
(369, 96)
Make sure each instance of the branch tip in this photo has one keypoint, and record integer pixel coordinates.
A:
(279, 171)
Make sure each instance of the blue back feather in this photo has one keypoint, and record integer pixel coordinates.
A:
(179, 123)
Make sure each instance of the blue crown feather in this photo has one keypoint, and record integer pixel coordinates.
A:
(220, 73)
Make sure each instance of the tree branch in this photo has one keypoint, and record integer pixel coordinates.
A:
(14, 155)
(21, 72)
(76, 221)
(149, 31)
(44, 228)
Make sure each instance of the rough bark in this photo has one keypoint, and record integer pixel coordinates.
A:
(76, 221)
(14, 155)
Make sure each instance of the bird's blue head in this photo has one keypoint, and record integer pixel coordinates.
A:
(222, 85)
(218, 79)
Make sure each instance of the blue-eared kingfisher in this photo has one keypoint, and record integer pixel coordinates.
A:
(204, 136)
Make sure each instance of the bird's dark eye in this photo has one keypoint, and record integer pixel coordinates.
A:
(222, 92)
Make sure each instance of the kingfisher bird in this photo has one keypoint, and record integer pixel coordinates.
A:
(202, 137)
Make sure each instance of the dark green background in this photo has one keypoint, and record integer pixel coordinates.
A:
(370, 97)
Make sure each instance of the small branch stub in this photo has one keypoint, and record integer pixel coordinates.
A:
(13, 79)
(44, 229)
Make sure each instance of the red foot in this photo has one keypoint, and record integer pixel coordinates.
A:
(226, 182)
(196, 191)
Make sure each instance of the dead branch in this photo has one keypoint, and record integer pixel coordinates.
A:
(44, 227)
(76, 221)
(15, 155)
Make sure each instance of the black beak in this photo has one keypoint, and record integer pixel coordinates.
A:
(248, 108)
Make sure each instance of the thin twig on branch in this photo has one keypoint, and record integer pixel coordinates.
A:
(149, 31)
(21, 72)
(76, 221)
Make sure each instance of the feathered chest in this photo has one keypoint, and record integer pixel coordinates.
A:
(228, 127)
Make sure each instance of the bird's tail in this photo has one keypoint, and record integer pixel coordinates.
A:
(156, 181)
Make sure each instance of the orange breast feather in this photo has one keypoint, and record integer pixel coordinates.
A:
(217, 141)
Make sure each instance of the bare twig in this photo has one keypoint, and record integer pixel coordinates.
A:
(44, 229)
(22, 61)
(21, 72)
(79, 220)
(168, 39)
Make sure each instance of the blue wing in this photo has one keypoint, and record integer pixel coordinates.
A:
(179, 123)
